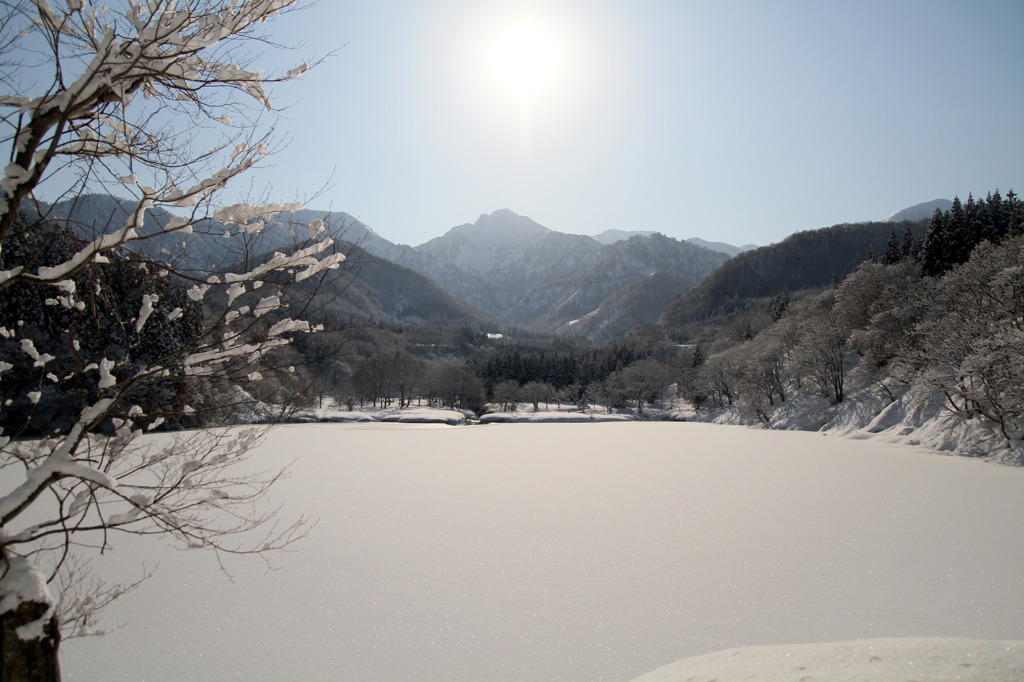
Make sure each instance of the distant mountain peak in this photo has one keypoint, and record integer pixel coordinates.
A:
(920, 211)
(500, 228)
(507, 221)
(612, 236)
(500, 214)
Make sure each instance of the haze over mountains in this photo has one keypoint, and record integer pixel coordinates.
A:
(525, 275)
(508, 271)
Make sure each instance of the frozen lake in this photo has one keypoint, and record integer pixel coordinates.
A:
(574, 552)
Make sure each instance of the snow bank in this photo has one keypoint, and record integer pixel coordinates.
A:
(547, 417)
(435, 415)
(926, 659)
(426, 415)
(409, 415)
(912, 418)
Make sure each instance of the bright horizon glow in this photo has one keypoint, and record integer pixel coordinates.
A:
(524, 58)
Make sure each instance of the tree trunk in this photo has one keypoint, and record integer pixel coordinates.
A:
(33, 660)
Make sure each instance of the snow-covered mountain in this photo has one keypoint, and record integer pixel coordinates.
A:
(372, 289)
(484, 246)
(504, 268)
(920, 211)
(526, 275)
(627, 284)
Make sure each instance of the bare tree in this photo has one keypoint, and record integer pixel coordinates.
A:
(507, 394)
(821, 353)
(536, 391)
(974, 343)
(764, 371)
(720, 377)
(111, 99)
(639, 383)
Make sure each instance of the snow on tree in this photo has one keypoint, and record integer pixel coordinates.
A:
(973, 349)
(114, 98)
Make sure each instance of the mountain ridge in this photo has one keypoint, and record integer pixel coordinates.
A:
(531, 277)
(507, 270)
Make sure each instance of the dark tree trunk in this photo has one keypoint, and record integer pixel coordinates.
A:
(28, 660)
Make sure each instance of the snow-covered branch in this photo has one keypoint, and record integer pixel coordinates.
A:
(118, 360)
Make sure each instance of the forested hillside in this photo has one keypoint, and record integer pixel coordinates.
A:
(599, 299)
(805, 260)
(925, 335)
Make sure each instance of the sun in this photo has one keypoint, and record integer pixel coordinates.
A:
(523, 57)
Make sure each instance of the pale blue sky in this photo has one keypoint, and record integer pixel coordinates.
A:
(737, 121)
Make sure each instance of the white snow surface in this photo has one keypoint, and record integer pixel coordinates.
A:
(562, 416)
(923, 659)
(587, 552)
(408, 415)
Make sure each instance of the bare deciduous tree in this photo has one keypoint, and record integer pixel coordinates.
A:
(507, 394)
(115, 99)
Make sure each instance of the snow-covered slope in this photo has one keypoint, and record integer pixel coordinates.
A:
(495, 261)
(483, 246)
(542, 280)
(600, 289)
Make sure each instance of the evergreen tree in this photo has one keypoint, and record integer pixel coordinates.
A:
(958, 238)
(983, 222)
(998, 212)
(1016, 214)
(910, 248)
(699, 357)
(778, 306)
(974, 224)
(891, 253)
(934, 260)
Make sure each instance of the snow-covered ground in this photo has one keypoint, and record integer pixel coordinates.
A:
(409, 415)
(922, 659)
(589, 552)
(910, 418)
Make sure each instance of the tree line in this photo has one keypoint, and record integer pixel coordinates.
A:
(939, 320)
(917, 317)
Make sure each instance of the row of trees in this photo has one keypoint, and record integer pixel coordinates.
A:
(402, 378)
(952, 235)
(956, 339)
(636, 372)
(567, 366)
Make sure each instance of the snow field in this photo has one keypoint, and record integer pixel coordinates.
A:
(575, 552)
(922, 659)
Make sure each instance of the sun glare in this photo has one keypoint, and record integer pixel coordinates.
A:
(523, 57)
